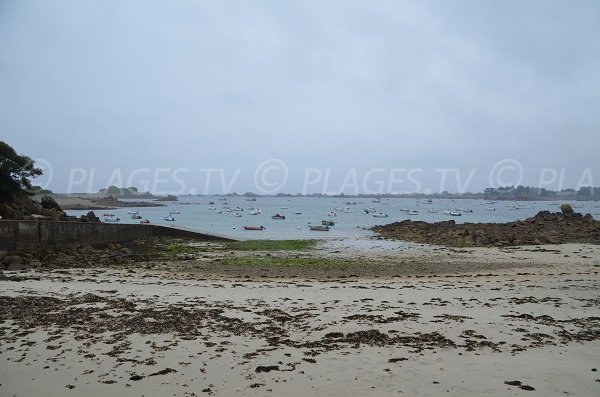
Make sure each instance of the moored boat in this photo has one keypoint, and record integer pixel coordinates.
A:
(380, 215)
(254, 227)
(319, 228)
(278, 217)
(169, 218)
(327, 223)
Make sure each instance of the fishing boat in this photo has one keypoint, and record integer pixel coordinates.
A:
(169, 218)
(319, 228)
(136, 216)
(278, 217)
(327, 223)
(380, 215)
(254, 227)
(111, 219)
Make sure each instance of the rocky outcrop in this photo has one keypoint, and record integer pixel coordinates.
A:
(24, 207)
(543, 228)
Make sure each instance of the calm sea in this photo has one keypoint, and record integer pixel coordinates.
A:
(350, 219)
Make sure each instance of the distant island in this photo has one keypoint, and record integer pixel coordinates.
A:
(507, 193)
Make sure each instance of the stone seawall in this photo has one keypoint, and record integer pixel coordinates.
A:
(16, 235)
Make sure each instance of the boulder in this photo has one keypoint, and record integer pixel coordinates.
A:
(566, 209)
(91, 217)
(11, 260)
(49, 203)
(549, 237)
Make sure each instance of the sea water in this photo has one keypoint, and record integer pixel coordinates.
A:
(301, 212)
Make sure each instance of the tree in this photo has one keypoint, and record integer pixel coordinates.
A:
(113, 190)
(15, 170)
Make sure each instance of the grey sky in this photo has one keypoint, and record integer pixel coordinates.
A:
(338, 85)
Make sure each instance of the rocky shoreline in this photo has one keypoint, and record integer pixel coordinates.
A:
(543, 228)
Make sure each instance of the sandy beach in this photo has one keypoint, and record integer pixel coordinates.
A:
(482, 321)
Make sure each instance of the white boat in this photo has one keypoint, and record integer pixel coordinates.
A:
(346, 210)
(491, 208)
(427, 201)
(174, 212)
(331, 213)
(283, 208)
(136, 216)
(412, 212)
(452, 212)
(238, 209)
(464, 210)
(255, 211)
(111, 219)
(169, 218)
(431, 211)
(132, 212)
(212, 208)
(380, 215)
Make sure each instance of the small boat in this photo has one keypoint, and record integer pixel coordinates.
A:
(251, 199)
(464, 210)
(452, 212)
(212, 208)
(346, 210)
(219, 212)
(144, 221)
(283, 208)
(432, 211)
(376, 201)
(319, 228)
(278, 217)
(412, 212)
(380, 215)
(491, 208)
(237, 215)
(254, 227)
(238, 209)
(132, 212)
(327, 223)
(111, 218)
(169, 218)
(136, 216)
(297, 213)
(331, 213)
(108, 215)
(255, 211)
(350, 203)
(211, 203)
(427, 201)
(174, 212)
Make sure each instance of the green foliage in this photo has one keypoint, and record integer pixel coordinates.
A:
(113, 190)
(271, 245)
(15, 171)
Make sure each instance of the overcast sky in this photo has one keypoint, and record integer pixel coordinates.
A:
(303, 96)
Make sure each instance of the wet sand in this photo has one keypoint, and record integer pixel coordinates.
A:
(530, 328)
